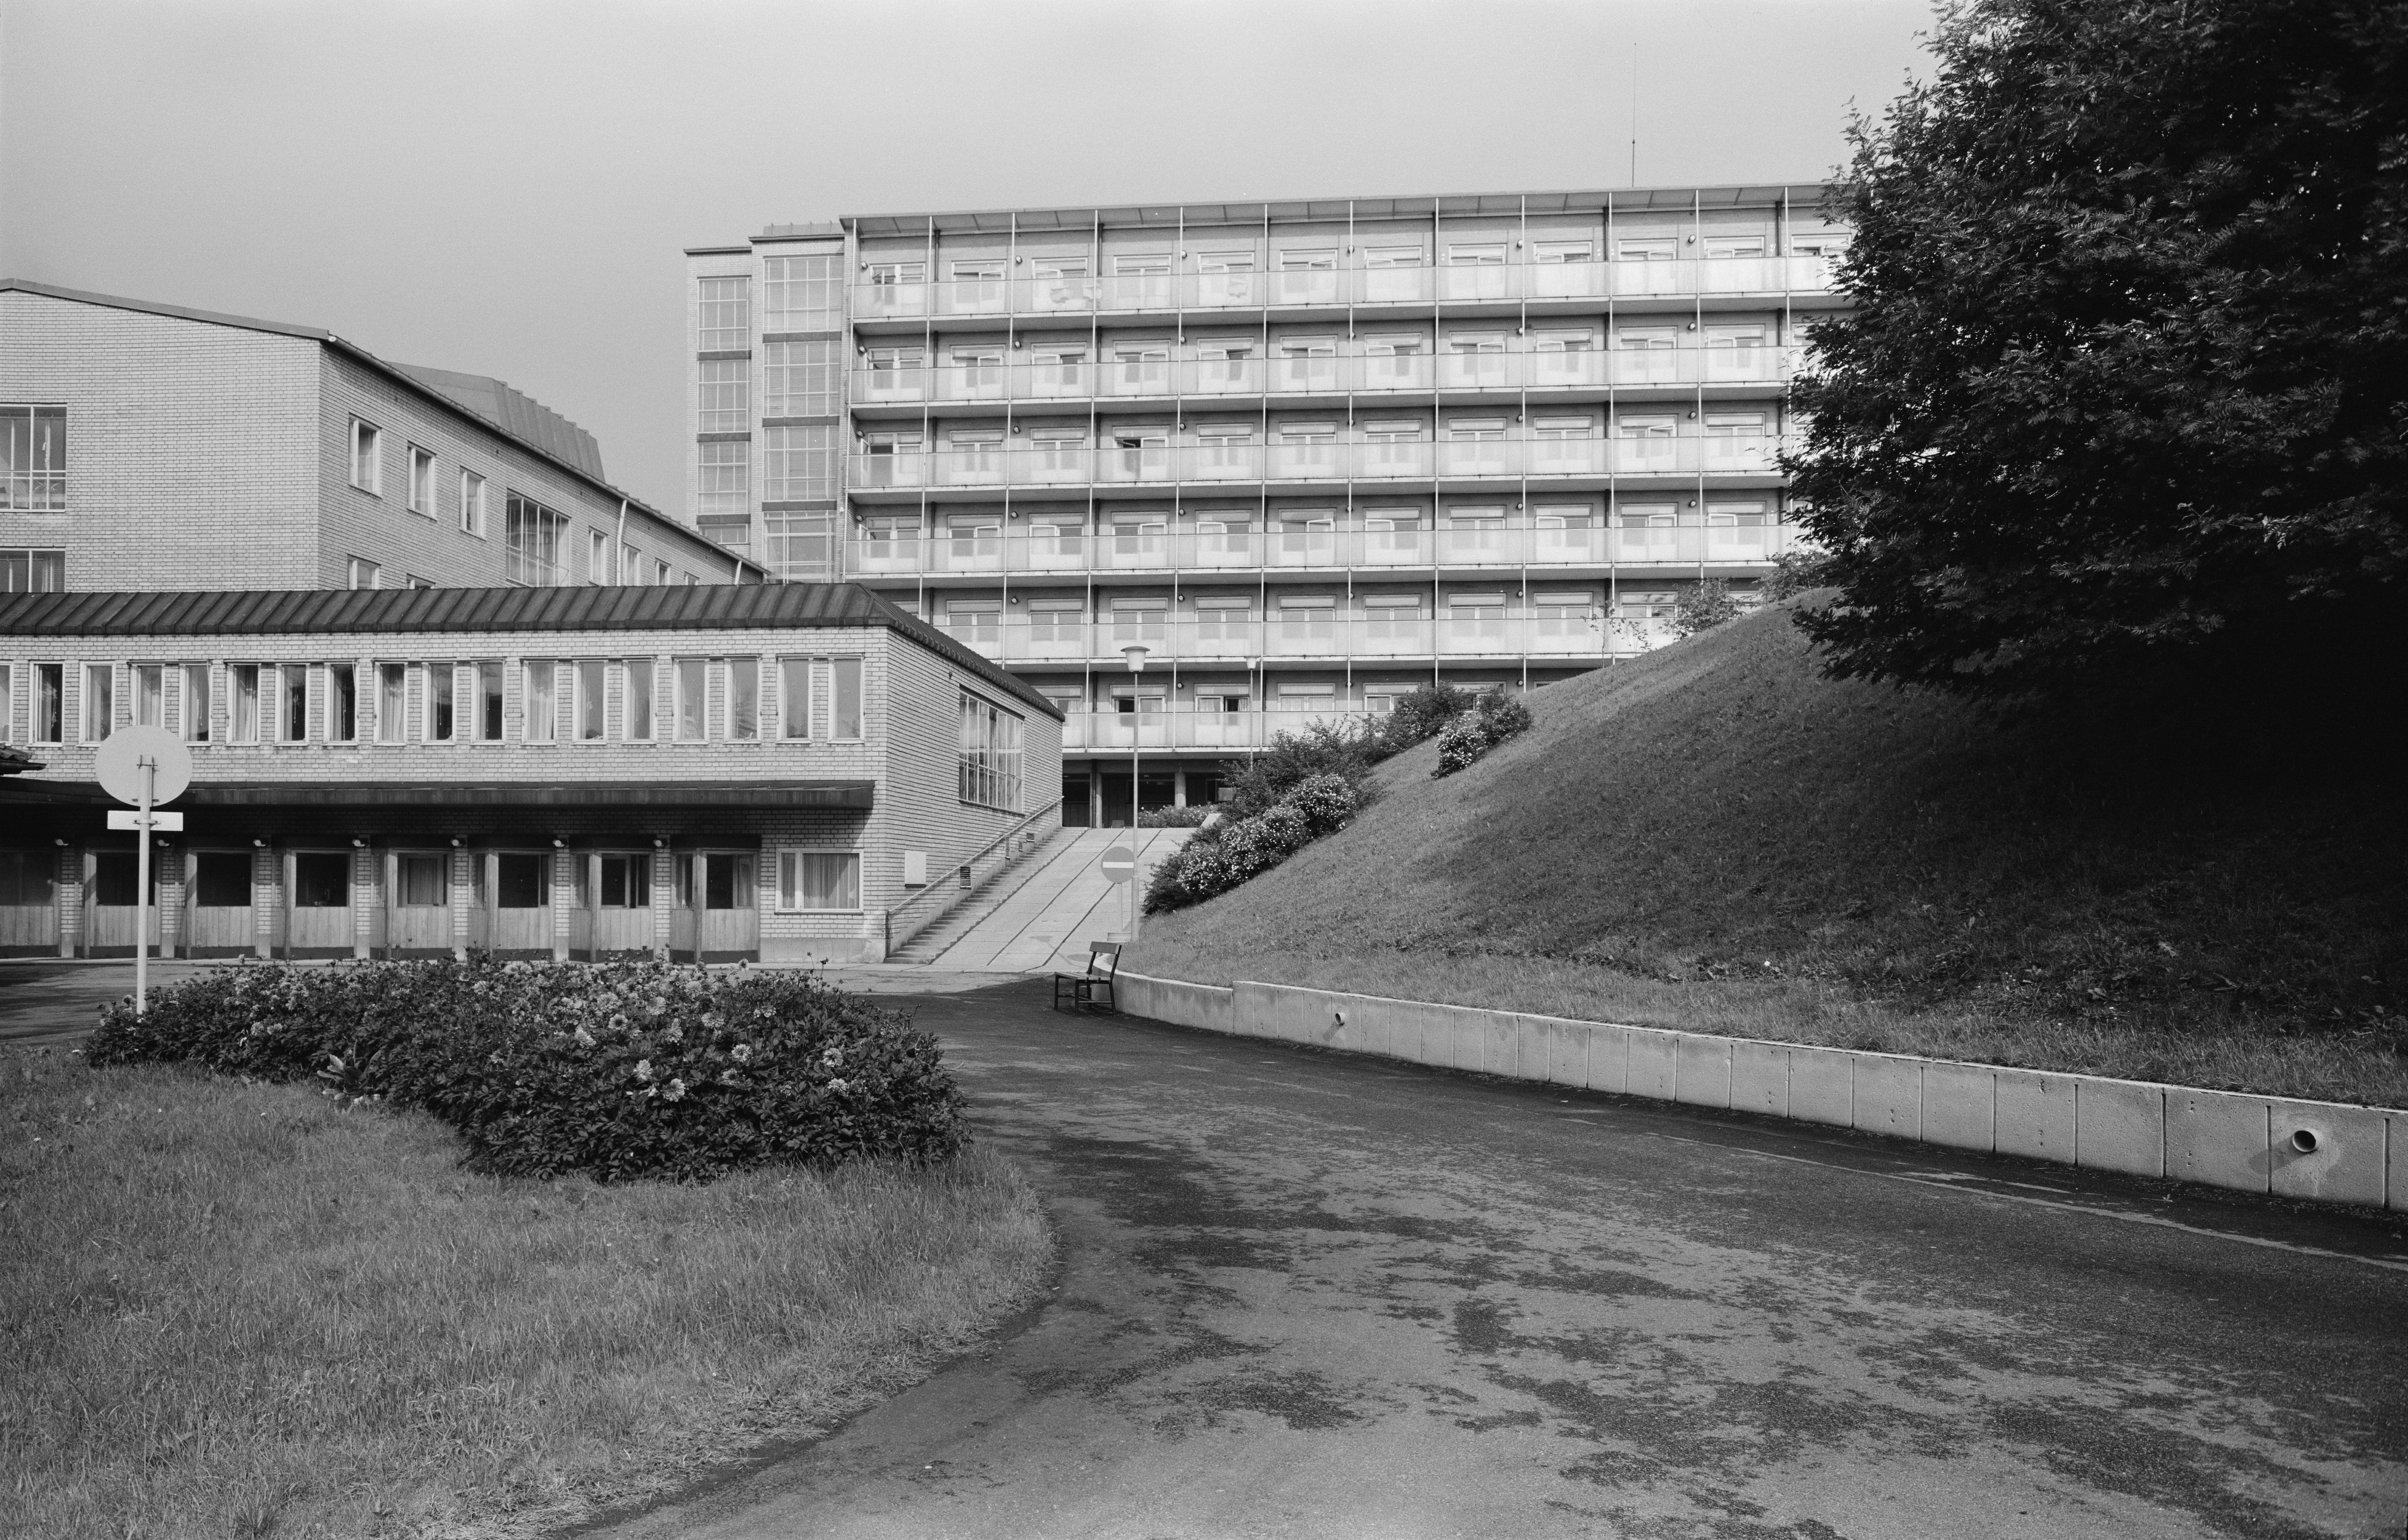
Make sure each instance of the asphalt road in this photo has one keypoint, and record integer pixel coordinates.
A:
(1304, 1293)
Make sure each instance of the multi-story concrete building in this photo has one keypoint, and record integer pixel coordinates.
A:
(147, 446)
(1309, 454)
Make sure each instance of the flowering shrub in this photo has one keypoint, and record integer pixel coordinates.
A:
(1495, 717)
(619, 1070)
(1219, 858)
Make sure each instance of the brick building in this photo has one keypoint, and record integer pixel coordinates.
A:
(768, 771)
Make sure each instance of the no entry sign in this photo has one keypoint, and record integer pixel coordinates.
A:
(1120, 865)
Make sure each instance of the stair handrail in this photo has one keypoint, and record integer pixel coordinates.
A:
(961, 891)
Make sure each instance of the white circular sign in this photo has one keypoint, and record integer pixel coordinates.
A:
(119, 764)
(1119, 864)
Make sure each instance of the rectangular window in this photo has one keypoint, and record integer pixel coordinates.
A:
(542, 713)
(722, 473)
(1550, 253)
(420, 881)
(393, 702)
(33, 571)
(896, 274)
(801, 545)
(631, 564)
(744, 699)
(590, 701)
(243, 705)
(199, 700)
(692, 699)
(367, 453)
(726, 314)
(1476, 254)
(844, 698)
(48, 724)
(363, 573)
(637, 724)
(1392, 256)
(99, 700)
(34, 459)
(597, 556)
(441, 718)
(532, 535)
(489, 702)
(150, 695)
(797, 464)
(422, 481)
(795, 698)
(293, 717)
(472, 503)
(990, 755)
(342, 703)
(724, 395)
(799, 379)
(802, 293)
(626, 882)
(818, 879)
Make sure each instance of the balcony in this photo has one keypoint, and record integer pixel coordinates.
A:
(1325, 374)
(1566, 632)
(1477, 284)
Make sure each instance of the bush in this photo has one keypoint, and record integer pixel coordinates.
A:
(1420, 717)
(1219, 858)
(1709, 603)
(1259, 784)
(619, 1070)
(1495, 717)
(1795, 571)
(1190, 816)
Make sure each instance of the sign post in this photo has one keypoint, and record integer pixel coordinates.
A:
(144, 766)
(1119, 866)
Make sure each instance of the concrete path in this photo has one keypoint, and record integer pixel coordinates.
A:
(1315, 1295)
(1048, 921)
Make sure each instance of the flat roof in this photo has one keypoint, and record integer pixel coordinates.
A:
(423, 389)
(425, 611)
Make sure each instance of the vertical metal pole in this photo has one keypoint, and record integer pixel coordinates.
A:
(150, 765)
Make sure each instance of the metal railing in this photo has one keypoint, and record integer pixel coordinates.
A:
(935, 901)
(1567, 632)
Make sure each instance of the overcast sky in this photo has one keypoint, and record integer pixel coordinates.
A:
(506, 186)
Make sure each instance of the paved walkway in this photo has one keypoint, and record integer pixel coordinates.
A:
(1047, 922)
(1315, 1295)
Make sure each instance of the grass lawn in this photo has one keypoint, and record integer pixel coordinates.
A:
(1716, 838)
(236, 1310)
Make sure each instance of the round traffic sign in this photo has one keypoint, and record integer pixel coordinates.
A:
(119, 764)
(1119, 864)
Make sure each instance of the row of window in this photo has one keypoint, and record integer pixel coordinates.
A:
(695, 700)
(1372, 252)
(1643, 334)
(1561, 426)
(798, 378)
(24, 570)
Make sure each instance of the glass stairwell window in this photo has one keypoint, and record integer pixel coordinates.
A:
(802, 293)
(977, 287)
(799, 379)
(724, 395)
(726, 315)
(1564, 355)
(800, 546)
(896, 374)
(1306, 276)
(1398, 361)
(1227, 277)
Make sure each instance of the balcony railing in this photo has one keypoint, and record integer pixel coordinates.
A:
(1568, 632)
(1444, 285)
(1163, 464)
(1326, 375)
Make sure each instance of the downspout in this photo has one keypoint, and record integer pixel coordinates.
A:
(619, 548)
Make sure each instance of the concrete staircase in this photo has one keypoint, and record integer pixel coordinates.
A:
(1042, 912)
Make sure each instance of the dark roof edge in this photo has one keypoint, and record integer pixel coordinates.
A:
(392, 372)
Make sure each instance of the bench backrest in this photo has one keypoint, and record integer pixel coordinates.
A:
(1103, 959)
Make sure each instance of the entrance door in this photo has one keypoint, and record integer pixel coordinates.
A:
(320, 923)
(522, 912)
(419, 923)
(113, 907)
(218, 919)
(622, 902)
(718, 898)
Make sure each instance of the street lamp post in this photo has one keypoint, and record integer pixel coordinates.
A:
(1135, 653)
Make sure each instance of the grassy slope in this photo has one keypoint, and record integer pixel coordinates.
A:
(231, 1309)
(1716, 838)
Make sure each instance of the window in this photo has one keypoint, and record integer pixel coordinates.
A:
(25, 877)
(518, 880)
(243, 703)
(1734, 424)
(34, 459)
(1727, 247)
(99, 700)
(420, 881)
(489, 702)
(472, 503)
(1476, 254)
(801, 294)
(150, 695)
(597, 556)
(990, 755)
(1319, 259)
(221, 879)
(422, 481)
(799, 379)
(49, 703)
(636, 724)
(591, 700)
(1553, 252)
(626, 882)
(542, 680)
(414, 580)
(367, 451)
(724, 395)
(631, 564)
(818, 879)
(895, 275)
(692, 699)
(531, 542)
(744, 699)
(363, 573)
(1647, 249)
(844, 698)
(199, 701)
(1141, 265)
(800, 544)
(33, 571)
(722, 477)
(393, 702)
(292, 696)
(342, 703)
(798, 463)
(726, 314)
(795, 697)
(1392, 256)
(441, 720)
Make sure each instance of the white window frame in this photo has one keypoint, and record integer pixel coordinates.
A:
(789, 885)
(650, 718)
(421, 488)
(584, 694)
(367, 456)
(793, 669)
(364, 574)
(678, 702)
(84, 693)
(472, 503)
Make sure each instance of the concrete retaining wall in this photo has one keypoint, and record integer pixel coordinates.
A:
(2253, 1144)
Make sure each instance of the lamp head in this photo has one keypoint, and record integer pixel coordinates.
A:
(1136, 656)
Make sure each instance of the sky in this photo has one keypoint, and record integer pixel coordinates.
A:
(507, 187)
